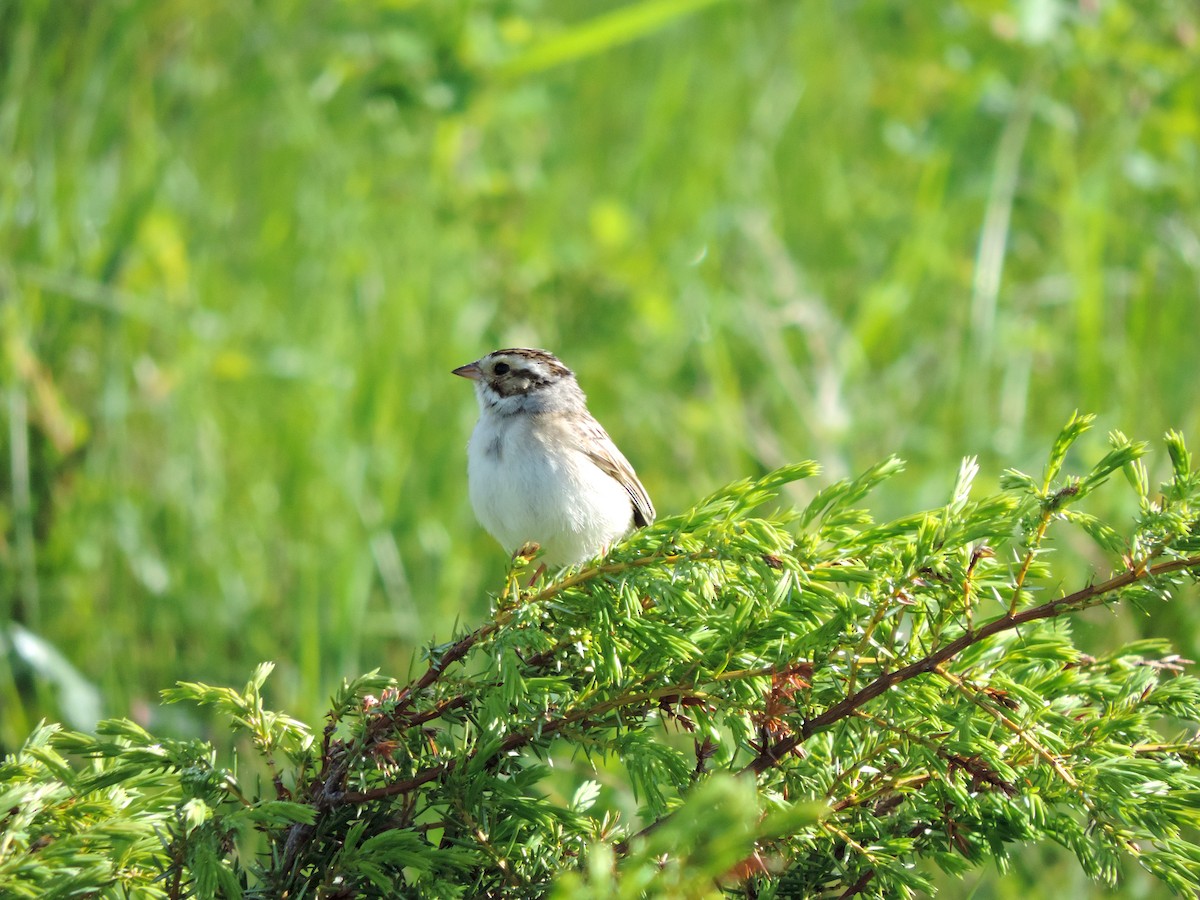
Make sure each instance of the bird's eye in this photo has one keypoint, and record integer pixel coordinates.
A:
(501, 369)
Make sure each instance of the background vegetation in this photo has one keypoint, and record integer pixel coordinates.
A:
(241, 247)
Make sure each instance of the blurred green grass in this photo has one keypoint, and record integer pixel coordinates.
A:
(242, 246)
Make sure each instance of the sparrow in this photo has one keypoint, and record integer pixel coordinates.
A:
(540, 468)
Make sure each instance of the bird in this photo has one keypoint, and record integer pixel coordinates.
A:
(540, 469)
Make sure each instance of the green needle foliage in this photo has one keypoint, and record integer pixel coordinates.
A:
(800, 703)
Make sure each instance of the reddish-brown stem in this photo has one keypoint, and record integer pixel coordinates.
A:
(518, 739)
(397, 787)
(463, 645)
(1047, 514)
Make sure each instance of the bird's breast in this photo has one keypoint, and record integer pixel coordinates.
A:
(529, 482)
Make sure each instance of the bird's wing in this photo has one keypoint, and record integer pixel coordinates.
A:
(601, 450)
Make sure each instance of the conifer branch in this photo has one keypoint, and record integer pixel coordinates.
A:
(747, 634)
(772, 754)
(1081, 599)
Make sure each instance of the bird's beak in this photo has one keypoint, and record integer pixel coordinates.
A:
(470, 370)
